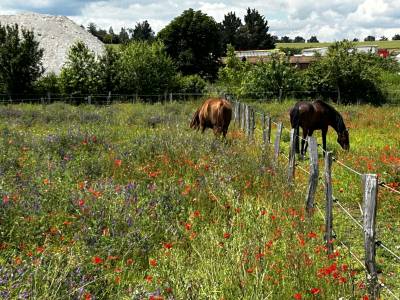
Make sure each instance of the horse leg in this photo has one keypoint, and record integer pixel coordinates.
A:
(297, 140)
(304, 143)
(309, 133)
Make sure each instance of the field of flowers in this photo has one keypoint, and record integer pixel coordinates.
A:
(126, 202)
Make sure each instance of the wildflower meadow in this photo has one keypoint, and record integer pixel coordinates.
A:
(127, 202)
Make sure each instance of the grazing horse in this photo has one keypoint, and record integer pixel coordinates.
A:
(214, 113)
(317, 115)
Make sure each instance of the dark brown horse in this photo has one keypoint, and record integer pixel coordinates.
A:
(214, 113)
(317, 115)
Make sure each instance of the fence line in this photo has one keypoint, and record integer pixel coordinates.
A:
(370, 184)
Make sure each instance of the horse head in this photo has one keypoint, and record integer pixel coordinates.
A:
(343, 139)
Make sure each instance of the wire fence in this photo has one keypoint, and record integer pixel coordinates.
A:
(246, 125)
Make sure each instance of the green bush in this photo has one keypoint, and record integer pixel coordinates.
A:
(145, 68)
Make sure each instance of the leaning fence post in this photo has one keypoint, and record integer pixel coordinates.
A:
(277, 143)
(264, 131)
(292, 155)
(253, 123)
(329, 202)
(370, 195)
(313, 181)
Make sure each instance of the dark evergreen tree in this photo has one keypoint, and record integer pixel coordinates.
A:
(20, 59)
(230, 29)
(123, 36)
(193, 40)
(143, 32)
(254, 33)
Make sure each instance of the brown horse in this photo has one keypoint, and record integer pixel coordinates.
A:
(214, 113)
(317, 115)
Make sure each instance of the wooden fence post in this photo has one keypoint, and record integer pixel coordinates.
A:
(49, 97)
(243, 117)
(269, 129)
(89, 99)
(109, 98)
(264, 131)
(370, 195)
(313, 181)
(237, 121)
(292, 156)
(253, 123)
(277, 143)
(329, 202)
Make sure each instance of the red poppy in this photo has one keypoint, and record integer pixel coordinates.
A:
(129, 261)
(153, 262)
(365, 297)
(167, 245)
(88, 296)
(297, 296)
(315, 291)
(148, 278)
(196, 214)
(6, 199)
(312, 235)
(97, 260)
(250, 270)
(117, 279)
(117, 162)
(81, 202)
(39, 249)
(188, 226)
(227, 235)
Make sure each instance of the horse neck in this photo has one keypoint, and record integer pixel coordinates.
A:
(337, 122)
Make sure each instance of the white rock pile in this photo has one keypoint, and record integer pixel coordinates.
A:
(56, 34)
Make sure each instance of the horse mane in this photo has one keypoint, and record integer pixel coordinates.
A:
(339, 123)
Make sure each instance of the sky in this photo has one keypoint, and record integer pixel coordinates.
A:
(328, 20)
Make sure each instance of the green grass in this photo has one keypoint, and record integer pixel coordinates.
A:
(381, 44)
(126, 202)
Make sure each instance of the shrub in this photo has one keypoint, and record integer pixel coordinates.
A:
(145, 68)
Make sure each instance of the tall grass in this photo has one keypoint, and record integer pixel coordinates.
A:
(126, 202)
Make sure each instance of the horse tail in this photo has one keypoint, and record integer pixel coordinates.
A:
(295, 123)
(224, 115)
(195, 123)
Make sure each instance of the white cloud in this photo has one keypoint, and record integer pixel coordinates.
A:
(328, 20)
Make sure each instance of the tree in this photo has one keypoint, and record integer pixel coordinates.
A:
(396, 37)
(356, 40)
(108, 70)
(286, 39)
(80, 74)
(299, 39)
(92, 28)
(123, 36)
(20, 59)
(383, 38)
(369, 38)
(230, 28)
(254, 34)
(193, 40)
(353, 76)
(313, 39)
(143, 32)
(145, 68)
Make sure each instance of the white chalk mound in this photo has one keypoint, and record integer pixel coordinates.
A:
(56, 34)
